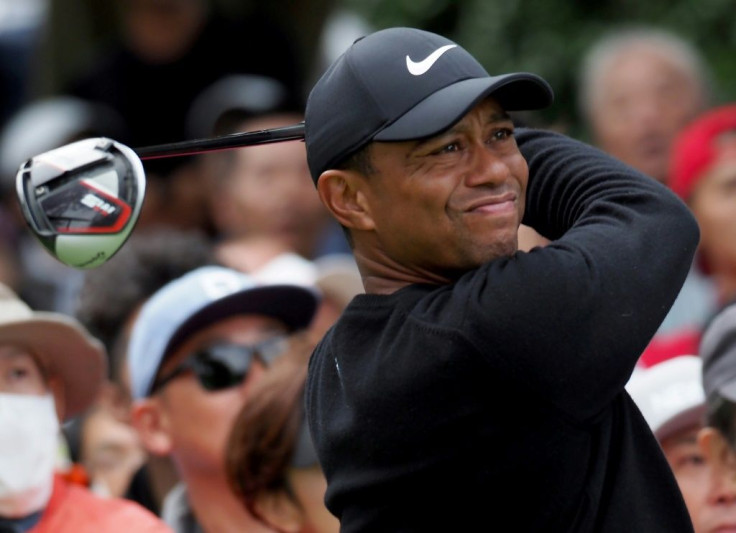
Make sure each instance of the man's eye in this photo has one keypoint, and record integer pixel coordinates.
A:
(502, 134)
(447, 149)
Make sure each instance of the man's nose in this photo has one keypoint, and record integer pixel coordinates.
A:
(487, 168)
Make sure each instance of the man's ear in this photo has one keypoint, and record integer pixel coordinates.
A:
(152, 426)
(342, 193)
(279, 511)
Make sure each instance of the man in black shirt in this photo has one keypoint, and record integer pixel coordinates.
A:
(475, 386)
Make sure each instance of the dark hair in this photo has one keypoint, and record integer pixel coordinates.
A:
(147, 262)
(265, 433)
(721, 415)
(360, 161)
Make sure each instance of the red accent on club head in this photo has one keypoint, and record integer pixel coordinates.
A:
(125, 212)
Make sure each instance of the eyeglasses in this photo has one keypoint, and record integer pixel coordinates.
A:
(224, 365)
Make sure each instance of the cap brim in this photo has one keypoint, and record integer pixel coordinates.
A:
(67, 351)
(689, 418)
(439, 111)
(293, 305)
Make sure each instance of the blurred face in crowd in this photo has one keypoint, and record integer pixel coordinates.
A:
(713, 202)
(691, 471)
(439, 206)
(639, 105)
(162, 31)
(20, 372)
(189, 422)
(111, 452)
(718, 515)
(268, 192)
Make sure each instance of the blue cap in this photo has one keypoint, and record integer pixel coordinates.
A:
(199, 299)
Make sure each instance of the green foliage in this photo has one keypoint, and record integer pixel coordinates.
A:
(549, 37)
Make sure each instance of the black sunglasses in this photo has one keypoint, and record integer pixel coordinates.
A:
(221, 366)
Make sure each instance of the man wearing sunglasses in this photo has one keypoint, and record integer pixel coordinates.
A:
(196, 348)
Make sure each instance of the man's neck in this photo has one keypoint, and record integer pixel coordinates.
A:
(216, 508)
(381, 275)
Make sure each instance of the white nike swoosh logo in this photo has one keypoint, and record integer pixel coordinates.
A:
(420, 67)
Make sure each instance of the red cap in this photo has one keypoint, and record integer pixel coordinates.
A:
(694, 149)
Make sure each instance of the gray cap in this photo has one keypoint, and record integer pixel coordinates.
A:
(718, 351)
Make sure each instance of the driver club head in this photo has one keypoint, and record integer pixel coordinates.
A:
(83, 199)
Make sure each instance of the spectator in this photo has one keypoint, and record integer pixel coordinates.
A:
(50, 370)
(638, 88)
(110, 452)
(718, 439)
(265, 191)
(271, 462)
(670, 396)
(197, 347)
(108, 303)
(704, 176)
(170, 51)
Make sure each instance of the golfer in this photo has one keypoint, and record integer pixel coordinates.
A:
(475, 387)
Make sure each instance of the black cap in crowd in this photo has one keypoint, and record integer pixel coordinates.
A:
(718, 351)
(400, 84)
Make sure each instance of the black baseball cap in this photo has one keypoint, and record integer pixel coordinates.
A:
(401, 84)
(718, 352)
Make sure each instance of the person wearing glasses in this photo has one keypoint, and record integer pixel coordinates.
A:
(196, 349)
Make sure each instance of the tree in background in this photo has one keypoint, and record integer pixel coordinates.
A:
(549, 37)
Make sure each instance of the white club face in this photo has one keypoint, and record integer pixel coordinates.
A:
(82, 200)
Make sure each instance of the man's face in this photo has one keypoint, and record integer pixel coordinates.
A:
(269, 193)
(20, 373)
(713, 203)
(199, 421)
(640, 105)
(691, 471)
(449, 203)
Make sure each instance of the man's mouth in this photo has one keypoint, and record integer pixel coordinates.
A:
(495, 204)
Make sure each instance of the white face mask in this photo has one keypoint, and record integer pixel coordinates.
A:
(29, 430)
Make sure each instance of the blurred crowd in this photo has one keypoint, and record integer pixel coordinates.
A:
(171, 378)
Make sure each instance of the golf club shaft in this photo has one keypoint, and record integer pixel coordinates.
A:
(226, 142)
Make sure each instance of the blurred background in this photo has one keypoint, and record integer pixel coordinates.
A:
(46, 46)
(157, 71)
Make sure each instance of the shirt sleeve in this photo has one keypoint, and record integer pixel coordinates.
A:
(570, 320)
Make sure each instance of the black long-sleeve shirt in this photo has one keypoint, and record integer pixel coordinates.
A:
(497, 403)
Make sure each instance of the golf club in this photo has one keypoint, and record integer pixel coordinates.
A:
(82, 200)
